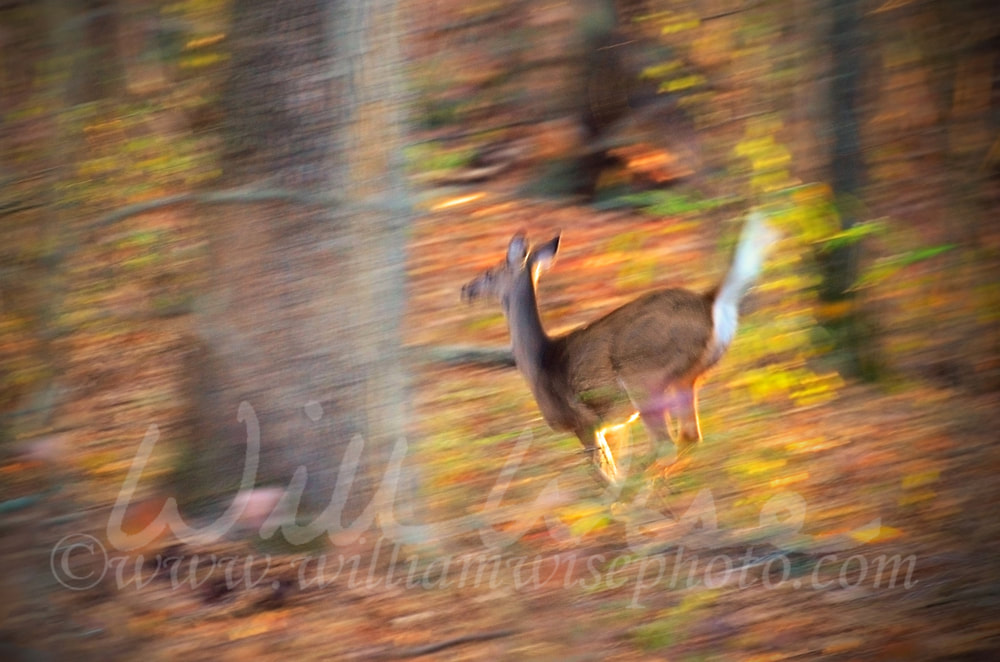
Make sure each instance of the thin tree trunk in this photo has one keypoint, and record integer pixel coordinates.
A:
(853, 334)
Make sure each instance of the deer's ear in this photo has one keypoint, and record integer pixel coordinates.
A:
(544, 254)
(517, 250)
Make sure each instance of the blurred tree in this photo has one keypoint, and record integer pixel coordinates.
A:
(303, 317)
(625, 116)
(97, 69)
(840, 264)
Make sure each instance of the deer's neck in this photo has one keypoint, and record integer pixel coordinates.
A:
(528, 339)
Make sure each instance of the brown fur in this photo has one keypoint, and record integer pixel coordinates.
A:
(646, 356)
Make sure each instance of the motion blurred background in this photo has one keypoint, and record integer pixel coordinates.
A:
(205, 203)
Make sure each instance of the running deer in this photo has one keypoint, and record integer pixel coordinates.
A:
(644, 358)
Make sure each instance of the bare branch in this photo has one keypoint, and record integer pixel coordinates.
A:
(233, 196)
(427, 649)
(459, 355)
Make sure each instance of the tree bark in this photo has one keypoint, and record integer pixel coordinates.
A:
(848, 164)
(302, 320)
(852, 332)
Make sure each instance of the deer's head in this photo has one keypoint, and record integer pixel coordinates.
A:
(517, 272)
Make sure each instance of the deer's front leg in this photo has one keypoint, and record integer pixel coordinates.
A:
(599, 452)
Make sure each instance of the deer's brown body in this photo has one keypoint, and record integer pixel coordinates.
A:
(620, 362)
(646, 356)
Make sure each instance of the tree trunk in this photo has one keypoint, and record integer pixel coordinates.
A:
(852, 332)
(848, 164)
(302, 320)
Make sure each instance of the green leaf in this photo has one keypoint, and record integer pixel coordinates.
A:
(888, 267)
(922, 254)
(853, 235)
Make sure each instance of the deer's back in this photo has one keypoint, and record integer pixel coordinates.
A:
(655, 339)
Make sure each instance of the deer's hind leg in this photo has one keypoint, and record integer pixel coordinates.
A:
(657, 423)
(652, 402)
(683, 405)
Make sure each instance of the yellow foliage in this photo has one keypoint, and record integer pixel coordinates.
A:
(755, 467)
(203, 60)
(661, 70)
(769, 182)
(683, 83)
(874, 532)
(816, 389)
(798, 477)
(750, 147)
(96, 167)
(813, 445)
(207, 40)
(585, 517)
(680, 23)
(778, 157)
(911, 498)
(921, 479)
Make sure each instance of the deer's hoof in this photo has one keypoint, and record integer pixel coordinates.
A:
(605, 467)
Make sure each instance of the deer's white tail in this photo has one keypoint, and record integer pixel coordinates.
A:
(755, 240)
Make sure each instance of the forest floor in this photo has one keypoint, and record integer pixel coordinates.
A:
(856, 528)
